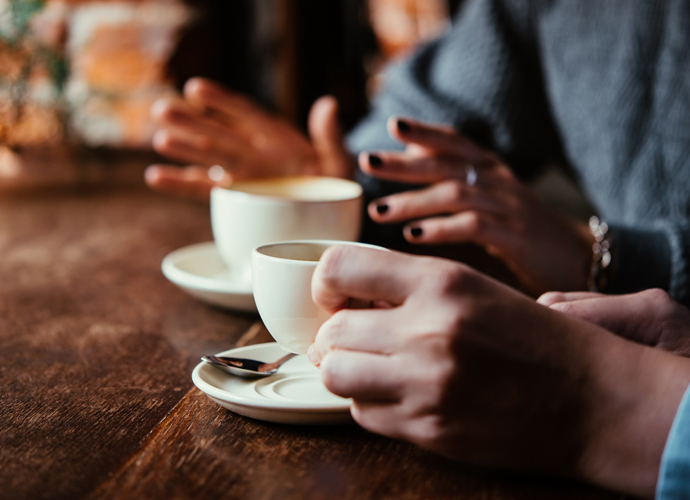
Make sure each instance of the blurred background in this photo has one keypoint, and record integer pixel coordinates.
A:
(77, 77)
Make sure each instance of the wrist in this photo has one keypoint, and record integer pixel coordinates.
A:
(601, 255)
(631, 398)
(587, 241)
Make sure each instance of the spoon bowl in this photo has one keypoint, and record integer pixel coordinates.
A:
(248, 368)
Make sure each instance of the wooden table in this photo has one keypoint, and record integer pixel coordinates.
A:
(96, 353)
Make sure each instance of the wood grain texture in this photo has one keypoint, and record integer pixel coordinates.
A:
(96, 347)
(96, 352)
(204, 451)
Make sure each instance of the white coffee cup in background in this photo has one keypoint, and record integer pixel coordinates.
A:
(281, 276)
(255, 212)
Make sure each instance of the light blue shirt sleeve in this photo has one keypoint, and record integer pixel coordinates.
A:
(674, 474)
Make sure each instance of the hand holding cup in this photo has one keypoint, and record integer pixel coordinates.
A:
(282, 275)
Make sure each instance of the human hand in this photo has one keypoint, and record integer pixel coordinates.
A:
(650, 317)
(469, 368)
(214, 127)
(475, 198)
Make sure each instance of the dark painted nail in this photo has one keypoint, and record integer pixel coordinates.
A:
(403, 126)
(416, 232)
(375, 161)
(382, 209)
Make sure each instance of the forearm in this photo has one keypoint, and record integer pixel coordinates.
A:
(633, 393)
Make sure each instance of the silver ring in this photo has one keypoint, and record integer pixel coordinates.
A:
(216, 173)
(470, 175)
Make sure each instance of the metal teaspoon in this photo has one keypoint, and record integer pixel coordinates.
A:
(243, 367)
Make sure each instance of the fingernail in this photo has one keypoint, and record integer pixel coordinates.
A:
(151, 173)
(375, 161)
(403, 126)
(311, 356)
(382, 209)
(416, 232)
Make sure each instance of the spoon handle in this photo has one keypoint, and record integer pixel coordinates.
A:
(241, 363)
(250, 365)
(267, 367)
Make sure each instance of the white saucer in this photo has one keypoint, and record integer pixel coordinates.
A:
(294, 395)
(200, 271)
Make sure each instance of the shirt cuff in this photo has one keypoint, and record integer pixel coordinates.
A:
(641, 259)
(674, 474)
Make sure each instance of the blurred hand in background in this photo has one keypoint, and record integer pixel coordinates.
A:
(224, 136)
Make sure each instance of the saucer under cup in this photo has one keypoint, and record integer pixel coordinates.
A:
(295, 395)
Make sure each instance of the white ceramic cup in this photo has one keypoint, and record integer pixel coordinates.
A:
(282, 274)
(256, 212)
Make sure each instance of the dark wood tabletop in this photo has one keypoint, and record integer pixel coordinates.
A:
(97, 401)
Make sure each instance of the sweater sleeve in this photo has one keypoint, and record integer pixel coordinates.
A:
(657, 257)
(674, 474)
(484, 78)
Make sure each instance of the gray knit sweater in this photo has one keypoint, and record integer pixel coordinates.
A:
(599, 86)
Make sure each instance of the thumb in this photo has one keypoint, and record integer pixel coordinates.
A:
(327, 139)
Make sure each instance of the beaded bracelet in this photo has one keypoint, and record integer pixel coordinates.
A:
(601, 255)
